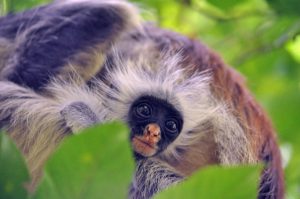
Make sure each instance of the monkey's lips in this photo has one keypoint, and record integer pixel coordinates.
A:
(143, 147)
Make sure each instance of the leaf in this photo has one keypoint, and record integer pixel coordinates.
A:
(217, 183)
(95, 164)
(17, 5)
(226, 5)
(289, 7)
(13, 172)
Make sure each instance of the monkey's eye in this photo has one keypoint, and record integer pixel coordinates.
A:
(143, 110)
(171, 126)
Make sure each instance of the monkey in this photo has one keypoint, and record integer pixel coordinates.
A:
(217, 120)
(216, 125)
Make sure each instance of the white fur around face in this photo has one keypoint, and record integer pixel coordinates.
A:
(168, 81)
(133, 79)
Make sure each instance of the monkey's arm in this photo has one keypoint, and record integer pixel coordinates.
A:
(152, 176)
(61, 38)
(66, 106)
(36, 122)
(33, 122)
(78, 115)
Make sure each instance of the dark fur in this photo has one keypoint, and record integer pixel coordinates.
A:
(47, 38)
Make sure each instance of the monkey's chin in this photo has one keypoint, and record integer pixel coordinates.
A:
(143, 148)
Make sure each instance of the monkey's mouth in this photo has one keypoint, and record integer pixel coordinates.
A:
(143, 147)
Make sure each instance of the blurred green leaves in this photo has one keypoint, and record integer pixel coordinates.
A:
(17, 5)
(285, 7)
(217, 183)
(226, 5)
(13, 172)
(95, 164)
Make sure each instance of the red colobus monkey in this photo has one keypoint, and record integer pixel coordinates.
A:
(185, 108)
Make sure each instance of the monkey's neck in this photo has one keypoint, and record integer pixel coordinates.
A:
(138, 157)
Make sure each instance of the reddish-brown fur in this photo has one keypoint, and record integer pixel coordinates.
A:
(227, 86)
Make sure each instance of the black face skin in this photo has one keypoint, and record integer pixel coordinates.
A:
(148, 109)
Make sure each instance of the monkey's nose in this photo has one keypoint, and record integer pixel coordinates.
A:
(153, 132)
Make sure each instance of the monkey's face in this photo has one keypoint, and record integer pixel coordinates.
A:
(154, 124)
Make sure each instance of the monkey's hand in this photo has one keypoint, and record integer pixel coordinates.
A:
(78, 116)
(151, 177)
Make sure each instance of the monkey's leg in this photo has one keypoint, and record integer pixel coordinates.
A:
(63, 37)
(152, 176)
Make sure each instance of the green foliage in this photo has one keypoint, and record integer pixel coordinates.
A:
(290, 7)
(98, 164)
(94, 164)
(217, 183)
(19, 5)
(13, 172)
(258, 37)
(226, 5)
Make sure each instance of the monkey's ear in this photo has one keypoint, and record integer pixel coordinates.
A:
(67, 35)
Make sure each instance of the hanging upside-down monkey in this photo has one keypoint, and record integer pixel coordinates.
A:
(71, 64)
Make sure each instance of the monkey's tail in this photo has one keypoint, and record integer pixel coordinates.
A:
(272, 178)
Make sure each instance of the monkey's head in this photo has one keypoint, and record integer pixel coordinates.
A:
(154, 124)
(161, 103)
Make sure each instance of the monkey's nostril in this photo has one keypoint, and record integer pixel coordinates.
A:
(152, 130)
(155, 134)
